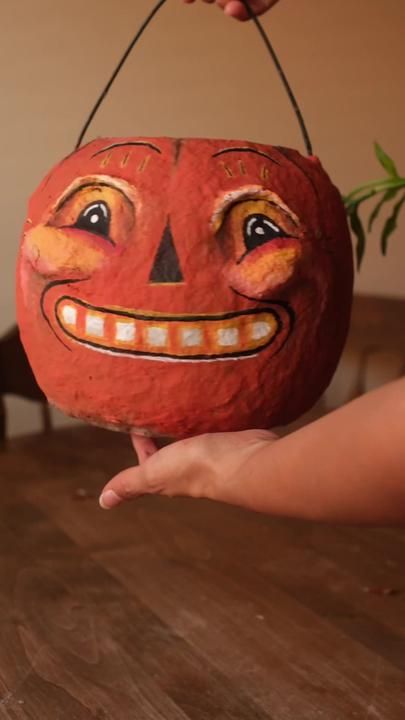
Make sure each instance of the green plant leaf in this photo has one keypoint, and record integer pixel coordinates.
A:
(387, 162)
(388, 189)
(388, 195)
(363, 192)
(358, 230)
(391, 224)
(351, 203)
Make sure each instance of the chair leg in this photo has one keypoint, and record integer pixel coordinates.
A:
(2, 421)
(46, 418)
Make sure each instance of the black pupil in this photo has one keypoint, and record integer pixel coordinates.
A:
(259, 229)
(95, 218)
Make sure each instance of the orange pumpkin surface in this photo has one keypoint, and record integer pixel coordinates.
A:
(173, 287)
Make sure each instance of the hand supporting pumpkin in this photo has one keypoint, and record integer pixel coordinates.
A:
(236, 9)
(347, 467)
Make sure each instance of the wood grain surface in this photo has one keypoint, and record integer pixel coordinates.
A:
(175, 609)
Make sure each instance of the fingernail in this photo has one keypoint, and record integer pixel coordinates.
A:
(109, 500)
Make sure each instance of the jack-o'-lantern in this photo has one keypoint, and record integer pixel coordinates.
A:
(173, 287)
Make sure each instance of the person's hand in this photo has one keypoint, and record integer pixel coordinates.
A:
(346, 467)
(209, 466)
(236, 9)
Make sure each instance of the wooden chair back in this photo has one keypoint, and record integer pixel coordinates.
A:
(17, 378)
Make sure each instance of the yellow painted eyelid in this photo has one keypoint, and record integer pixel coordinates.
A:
(128, 190)
(243, 194)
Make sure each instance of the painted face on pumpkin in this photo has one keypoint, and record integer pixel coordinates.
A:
(177, 287)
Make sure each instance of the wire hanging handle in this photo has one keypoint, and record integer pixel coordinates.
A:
(266, 40)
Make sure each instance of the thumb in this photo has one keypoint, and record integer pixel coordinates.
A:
(169, 471)
(128, 484)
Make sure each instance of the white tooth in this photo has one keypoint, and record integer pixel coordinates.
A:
(228, 337)
(94, 325)
(157, 336)
(260, 330)
(125, 331)
(69, 314)
(192, 337)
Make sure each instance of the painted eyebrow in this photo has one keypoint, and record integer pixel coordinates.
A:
(62, 202)
(126, 144)
(245, 150)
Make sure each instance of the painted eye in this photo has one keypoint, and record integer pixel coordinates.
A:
(258, 230)
(95, 218)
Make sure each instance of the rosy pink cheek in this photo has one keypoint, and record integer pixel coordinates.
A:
(260, 273)
(52, 252)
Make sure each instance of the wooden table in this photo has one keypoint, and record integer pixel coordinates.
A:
(168, 610)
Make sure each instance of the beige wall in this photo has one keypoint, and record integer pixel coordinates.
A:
(198, 74)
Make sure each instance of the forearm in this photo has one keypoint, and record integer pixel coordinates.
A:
(346, 467)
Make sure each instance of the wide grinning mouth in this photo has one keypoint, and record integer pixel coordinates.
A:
(159, 336)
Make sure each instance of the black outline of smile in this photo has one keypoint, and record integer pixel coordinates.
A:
(268, 307)
(159, 354)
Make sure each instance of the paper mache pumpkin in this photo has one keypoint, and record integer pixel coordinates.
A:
(173, 287)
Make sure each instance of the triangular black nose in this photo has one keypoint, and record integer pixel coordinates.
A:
(166, 268)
